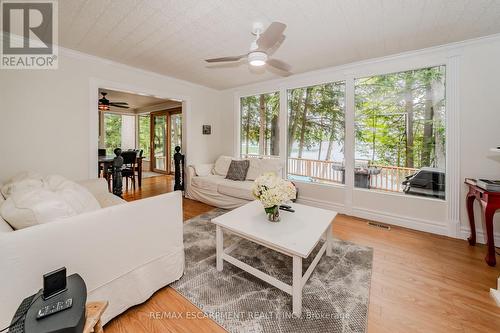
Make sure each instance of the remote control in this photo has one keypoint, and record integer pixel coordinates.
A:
(285, 206)
(287, 209)
(54, 308)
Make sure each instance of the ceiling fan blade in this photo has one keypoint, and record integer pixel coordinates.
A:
(125, 103)
(119, 106)
(275, 47)
(224, 59)
(280, 65)
(271, 36)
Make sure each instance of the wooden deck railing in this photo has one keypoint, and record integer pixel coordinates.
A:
(387, 178)
(390, 178)
(328, 171)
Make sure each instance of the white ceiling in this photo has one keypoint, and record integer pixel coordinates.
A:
(136, 102)
(173, 37)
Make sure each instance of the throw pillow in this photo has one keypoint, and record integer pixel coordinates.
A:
(238, 170)
(203, 169)
(222, 165)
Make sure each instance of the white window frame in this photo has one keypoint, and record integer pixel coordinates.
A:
(449, 57)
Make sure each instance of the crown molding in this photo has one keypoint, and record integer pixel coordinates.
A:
(64, 51)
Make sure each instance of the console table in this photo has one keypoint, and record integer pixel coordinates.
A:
(490, 201)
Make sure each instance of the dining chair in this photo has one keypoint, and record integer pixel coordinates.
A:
(129, 166)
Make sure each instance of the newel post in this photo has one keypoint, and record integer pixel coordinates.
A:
(179, 170)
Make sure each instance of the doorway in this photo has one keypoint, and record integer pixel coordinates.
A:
(166, 134)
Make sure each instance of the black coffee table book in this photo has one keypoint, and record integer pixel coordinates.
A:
(71, 320)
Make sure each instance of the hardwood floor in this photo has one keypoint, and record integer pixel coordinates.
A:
(420, 283)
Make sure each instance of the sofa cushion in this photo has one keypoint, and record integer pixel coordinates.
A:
(259, 166)
(108, 199)
(209, 182)
(58, 198)
(237, 170)
(236, 189)
(22, 181)
(222, 165)
(203, 169)
(4, 226)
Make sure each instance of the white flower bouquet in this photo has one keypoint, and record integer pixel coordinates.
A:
(272, 191)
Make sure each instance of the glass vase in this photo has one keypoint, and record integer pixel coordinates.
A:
(273, 213)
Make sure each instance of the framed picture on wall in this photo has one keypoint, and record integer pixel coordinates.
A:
(207, 129)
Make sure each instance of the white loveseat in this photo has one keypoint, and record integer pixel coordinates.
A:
(207, 182)
(124, 252)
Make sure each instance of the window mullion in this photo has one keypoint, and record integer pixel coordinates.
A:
(349, 142)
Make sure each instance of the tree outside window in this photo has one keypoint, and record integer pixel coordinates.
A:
(259, 125)
(316, 131)
(400, 122)
(113, 132)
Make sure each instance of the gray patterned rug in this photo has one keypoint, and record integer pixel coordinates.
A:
(335, 299)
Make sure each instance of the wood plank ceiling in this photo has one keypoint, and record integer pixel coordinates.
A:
(173, 37)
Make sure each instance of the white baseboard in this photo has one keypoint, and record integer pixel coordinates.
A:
(402, 221)
(465, 233)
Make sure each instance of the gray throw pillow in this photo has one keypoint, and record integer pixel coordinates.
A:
(238, 170)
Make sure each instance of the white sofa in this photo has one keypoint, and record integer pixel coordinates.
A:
(124, 252)
(207, 182)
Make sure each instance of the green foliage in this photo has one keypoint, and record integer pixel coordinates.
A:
(315, 115)
(113, 126)
(256, 128)
(145, 134)
(400, 118)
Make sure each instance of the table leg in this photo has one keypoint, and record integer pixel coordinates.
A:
(489, 212)
(219, 238)
(329, 240)
(297, 286)
(139, 172)
(470, 211)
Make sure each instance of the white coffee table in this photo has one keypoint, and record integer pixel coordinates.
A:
(296, 236)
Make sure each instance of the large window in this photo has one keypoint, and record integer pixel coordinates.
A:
(400, 132)
(112, 132)
(259, 125)
(316, 130)
(145, 134)
(119, 132)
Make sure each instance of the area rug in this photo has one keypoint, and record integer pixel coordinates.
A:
(335, 299)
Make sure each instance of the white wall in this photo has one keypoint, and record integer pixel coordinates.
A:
(46, 124)
(473, 103)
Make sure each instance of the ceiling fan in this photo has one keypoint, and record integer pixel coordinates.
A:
(105, 103)
(265, 43)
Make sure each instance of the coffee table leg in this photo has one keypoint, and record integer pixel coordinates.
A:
(329, 240)
(219, 238)
(297, 286)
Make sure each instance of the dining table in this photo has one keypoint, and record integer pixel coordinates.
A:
(107, 161)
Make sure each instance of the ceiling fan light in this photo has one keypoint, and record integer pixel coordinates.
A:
(257, 58)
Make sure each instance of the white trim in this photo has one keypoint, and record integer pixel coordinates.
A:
(349, 141)
(393, 219)
(401, 221)
(96, 83)
(237, 127)
(453, 182)
(464, 233)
